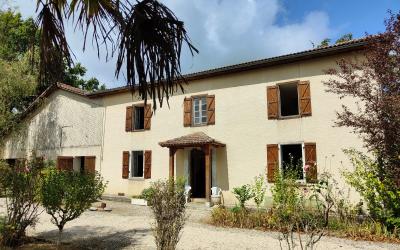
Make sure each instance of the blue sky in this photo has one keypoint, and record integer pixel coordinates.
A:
(233, 31)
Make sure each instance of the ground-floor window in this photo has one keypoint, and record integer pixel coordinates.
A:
(292, 159)
(136, 169)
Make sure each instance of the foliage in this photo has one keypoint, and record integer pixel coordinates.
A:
(65, 195)
(381, 195)
(148, 41)
(243, 194)
(345, 38)
(168, 206)
(74, 77)
(147, 193)
(20, 186)
(258, 190)
(16, 35)
(373, 80)
(16, 90)
(324, 43)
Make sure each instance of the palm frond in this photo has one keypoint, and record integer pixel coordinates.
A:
(150, 49)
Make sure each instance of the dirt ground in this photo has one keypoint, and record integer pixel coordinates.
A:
(129, 227)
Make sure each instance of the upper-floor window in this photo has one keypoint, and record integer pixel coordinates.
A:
(291, 99)
(138, 117)
(199, 110)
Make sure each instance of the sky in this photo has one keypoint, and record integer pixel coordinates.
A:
(233, 31)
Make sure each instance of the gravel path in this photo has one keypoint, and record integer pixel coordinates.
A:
(128, 227)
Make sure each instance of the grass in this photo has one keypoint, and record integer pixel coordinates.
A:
(263, 220)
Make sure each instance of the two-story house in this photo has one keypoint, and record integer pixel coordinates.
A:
(230, 125)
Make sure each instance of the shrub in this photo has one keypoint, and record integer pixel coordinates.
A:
(380, 193)
(258, 190)
(243, 194)
(20, 186)
(66, 194)
(147, 193)
(167, 203)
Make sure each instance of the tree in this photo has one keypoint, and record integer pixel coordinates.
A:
(345, 38)
(374, 82)
(19, 184)
(147, 42)
(67, 194)
(17, 89)
(324, 43)
(74, 77)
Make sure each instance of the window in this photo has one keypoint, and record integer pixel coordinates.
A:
(139, 118)
(289, 99)
(199, 110)
(292, 159)
(136, 164)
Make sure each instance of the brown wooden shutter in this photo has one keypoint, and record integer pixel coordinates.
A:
(65, 163)
(90, 164)
(125, 165)
(148, 113)
(147, 164)
(211, 109)
(272, 102)
(129, 119)
(187, 112)
(310, 155)
(272, 161)
(303, 89)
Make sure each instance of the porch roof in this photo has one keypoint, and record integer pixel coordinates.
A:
(191, 140)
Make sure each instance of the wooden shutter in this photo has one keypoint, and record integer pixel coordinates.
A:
(90, 164)
(310, 155)
(129, 119)
(125, 165)
(211, 109)
(187, 112)
(303, 89)
(148, 113)
(272, 161)
(65, 163)
(272, 102)
(147, 164)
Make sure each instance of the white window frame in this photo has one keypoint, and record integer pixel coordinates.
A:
(202, 113)
(131, 154)
(280, 101)
(302, 159)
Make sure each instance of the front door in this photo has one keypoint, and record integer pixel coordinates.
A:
(198, 173)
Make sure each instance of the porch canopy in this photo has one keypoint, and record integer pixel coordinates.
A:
(198, 139)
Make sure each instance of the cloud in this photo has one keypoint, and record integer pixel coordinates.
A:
(225, 31)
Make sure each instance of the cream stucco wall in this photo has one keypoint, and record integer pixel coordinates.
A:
(79, 119)
(241, 123)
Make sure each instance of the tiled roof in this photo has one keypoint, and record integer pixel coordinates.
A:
(356, 44)
(71, 89)
(195, 139)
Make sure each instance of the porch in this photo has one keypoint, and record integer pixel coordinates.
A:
(199, 153)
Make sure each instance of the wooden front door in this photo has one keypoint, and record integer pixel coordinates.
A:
(90, 164)
(65, 163)
(198, 173)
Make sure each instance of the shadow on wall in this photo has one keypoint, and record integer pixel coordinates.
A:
(222, 169)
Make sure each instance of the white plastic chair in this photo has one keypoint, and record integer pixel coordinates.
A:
(215, 191)
(187, 192)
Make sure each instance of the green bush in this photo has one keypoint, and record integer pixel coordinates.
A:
(243, 194)
(66, 194)
(258, 190)
(147, 193)
(167, 202)
(20, 185)
(381, 194)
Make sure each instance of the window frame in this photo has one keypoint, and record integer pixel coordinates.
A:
(304, 180)
(200, 110)
(131, 159)
(280, 117)
(134, 106)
